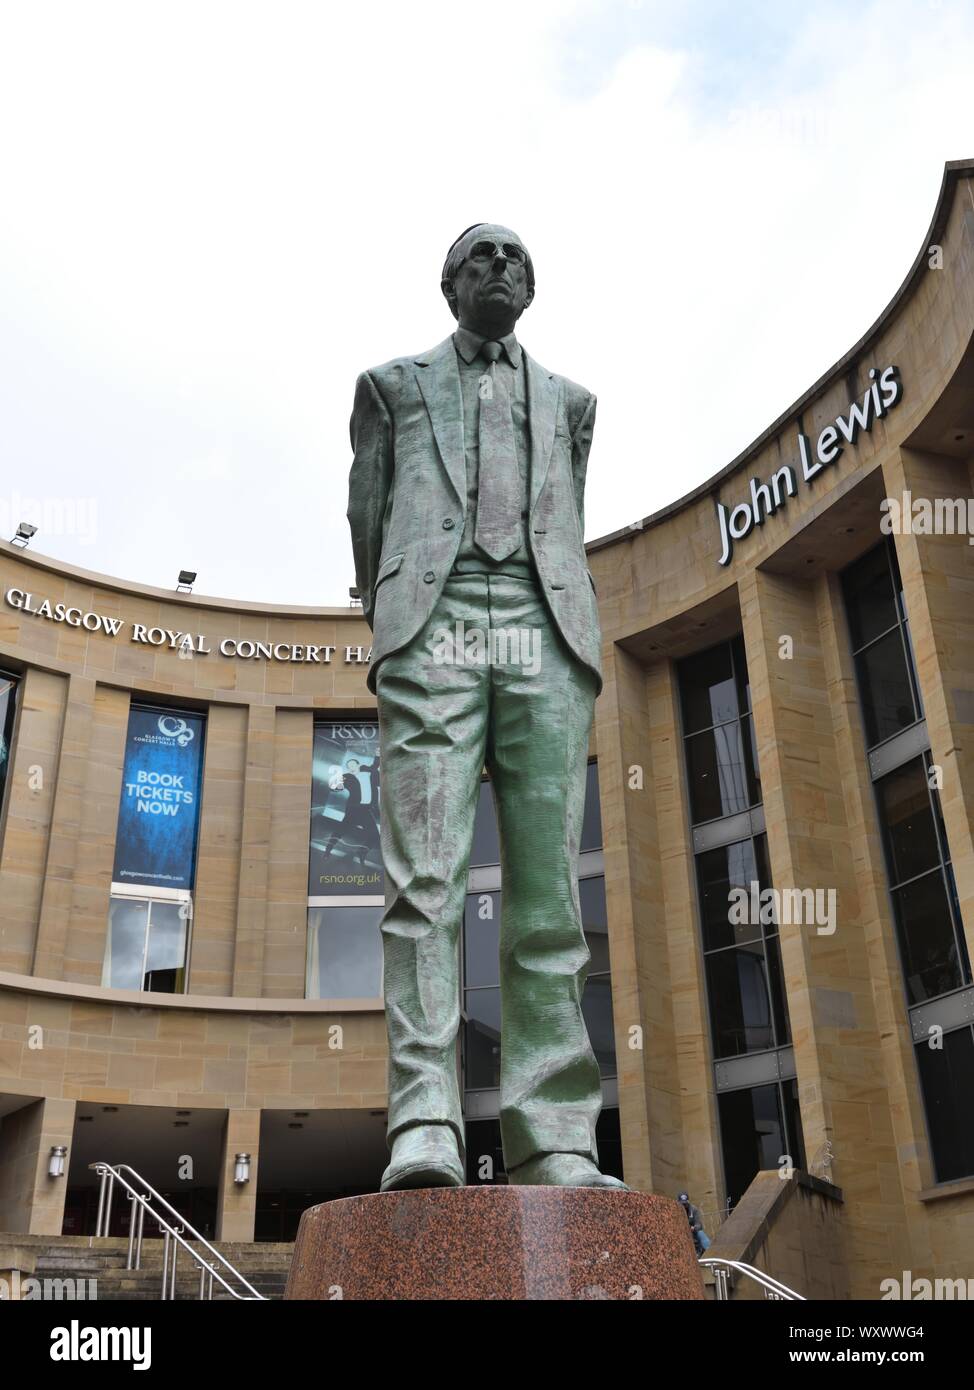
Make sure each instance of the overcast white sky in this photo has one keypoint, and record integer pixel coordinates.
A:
(213, 216)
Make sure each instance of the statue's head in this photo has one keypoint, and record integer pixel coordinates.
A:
(488, 278)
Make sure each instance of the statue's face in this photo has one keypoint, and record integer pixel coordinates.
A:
(491, 285)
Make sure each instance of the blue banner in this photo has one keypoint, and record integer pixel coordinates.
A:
(158, 814)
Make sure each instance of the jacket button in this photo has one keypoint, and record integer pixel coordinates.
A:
(428, 577)
(448, 523)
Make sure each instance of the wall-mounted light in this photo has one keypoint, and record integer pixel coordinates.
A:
(55, 1168)
(241, 1168)
(23, 535)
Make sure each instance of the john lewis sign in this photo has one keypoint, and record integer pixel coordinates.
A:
(883, 393)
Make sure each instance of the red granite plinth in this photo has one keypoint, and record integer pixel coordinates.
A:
(496, 1243)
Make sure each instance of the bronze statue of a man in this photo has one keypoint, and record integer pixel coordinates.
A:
(466, 512)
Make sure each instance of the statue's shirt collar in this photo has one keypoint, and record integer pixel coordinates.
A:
(468, 345)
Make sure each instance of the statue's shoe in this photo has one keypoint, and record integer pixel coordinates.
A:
(562, 1170)
(424, 1156)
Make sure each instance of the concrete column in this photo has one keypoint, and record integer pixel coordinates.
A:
(32, 783)
(94, 855)
(669, 1140)
(839, 1058)
(248, 960)
(285, 951)
(31, 1202)
(938, 579)
(218, 861)
(684, 1071)
(630, 871)
(62, 855)
(237, 1203)
(878, 927)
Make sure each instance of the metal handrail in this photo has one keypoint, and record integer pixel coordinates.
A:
(172, 1234)
(773, 1288)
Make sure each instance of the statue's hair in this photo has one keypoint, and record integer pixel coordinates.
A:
(454, 261)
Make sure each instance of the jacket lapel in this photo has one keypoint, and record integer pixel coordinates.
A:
(438, 378)
(543, 395)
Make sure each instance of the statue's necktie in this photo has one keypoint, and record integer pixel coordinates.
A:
(498, 529)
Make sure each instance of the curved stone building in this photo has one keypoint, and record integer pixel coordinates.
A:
(777, 869)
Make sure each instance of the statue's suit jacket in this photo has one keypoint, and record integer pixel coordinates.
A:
(408, 496)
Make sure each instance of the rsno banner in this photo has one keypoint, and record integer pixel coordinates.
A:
(158, 814)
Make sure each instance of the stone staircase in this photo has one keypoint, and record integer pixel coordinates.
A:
(264, 1265)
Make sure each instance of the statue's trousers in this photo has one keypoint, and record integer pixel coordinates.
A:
(501, 691)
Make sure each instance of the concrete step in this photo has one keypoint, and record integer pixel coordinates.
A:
(124, 1284)
(263, 1265)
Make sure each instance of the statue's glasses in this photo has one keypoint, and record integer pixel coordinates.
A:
(487, 250)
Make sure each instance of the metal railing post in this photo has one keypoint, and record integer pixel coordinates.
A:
(132, 1218)
(175, 1257)
(138, 1239)
(101, 1201)
(165, 1262)
(109, 1194)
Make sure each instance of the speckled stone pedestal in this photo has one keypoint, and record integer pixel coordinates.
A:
(496, 1243)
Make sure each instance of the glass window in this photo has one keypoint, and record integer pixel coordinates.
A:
(740, 674)
(608, 1138)
(779, 1004)
(486, 845)
(147, 943)
(592, 819)
(8, 691)
(931, 962)
(720, 872)
(870, 597)
(591, 895)
(885, 688)
(165, 956)
(721, 773)
(886, 672)
(947, 1078)
(758, 1127)
(740, 1005)
(483, 1039)
(907, 819)
(597, 1012)
(708, 691)
(344, 953)
(127, 922)
(485, 1153)
(928, 922)
(481, 937)
(793, 1123)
